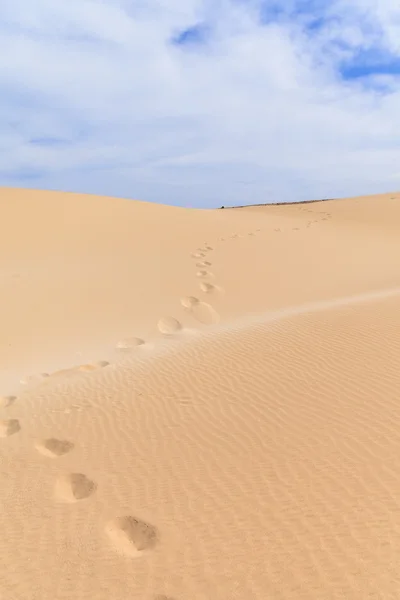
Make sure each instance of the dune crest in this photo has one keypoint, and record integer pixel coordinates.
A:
(216, 420)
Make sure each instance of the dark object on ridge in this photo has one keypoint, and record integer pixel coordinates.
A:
(222, 206)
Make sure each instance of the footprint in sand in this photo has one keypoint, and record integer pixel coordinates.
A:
(169, 325)
(6, 401)
(34, 379)
(208, 248)
(74, 487)
(201, 311)
(87, 368)
(163, 597)
(129, 343)
(204, 263)
(63, 373)
(9, 427)
(208, 288)
(203, 273)
(198, 255)
(131, 536)
(53, 447)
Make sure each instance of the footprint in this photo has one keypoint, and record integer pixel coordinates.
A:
(9, 427)
(131, 536)
(74, 487)
(204, 263)
(207, 287)
(53, 447)
(169, 325)
(201, 311)
(163, 597)
(93, 366)
(189, 301)
(63, 373)
(203, 273)
(6, 401)
(198, 255)
(32, 379)
(209, 248)
(129, 343)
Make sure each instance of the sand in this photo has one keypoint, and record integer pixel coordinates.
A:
(199, 404)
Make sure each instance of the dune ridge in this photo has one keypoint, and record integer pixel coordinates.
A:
(235, 435)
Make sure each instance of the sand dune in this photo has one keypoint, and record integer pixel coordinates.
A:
(199, 404)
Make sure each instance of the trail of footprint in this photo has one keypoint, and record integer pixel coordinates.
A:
(53, 447)
(6, 401)
(201, 311)
(9, 427)
(169, 325)
(74, 487)
(131, 536)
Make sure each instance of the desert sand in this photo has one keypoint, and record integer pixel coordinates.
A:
(199, 404)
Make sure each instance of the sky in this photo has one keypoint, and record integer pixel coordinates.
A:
(201, 103)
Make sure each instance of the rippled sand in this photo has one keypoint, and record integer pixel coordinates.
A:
(199, 404)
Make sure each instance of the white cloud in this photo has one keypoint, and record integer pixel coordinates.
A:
(259, 113)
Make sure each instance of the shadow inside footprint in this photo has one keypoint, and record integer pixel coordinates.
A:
(131, 536)
(74, 487)
(6, 401)
(9, 427)
(54, 448)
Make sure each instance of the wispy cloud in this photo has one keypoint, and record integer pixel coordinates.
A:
(194, 35)
(206, 102)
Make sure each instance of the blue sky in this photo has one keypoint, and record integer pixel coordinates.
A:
(203, 102)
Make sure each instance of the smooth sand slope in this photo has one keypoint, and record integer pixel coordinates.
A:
(199, 405)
